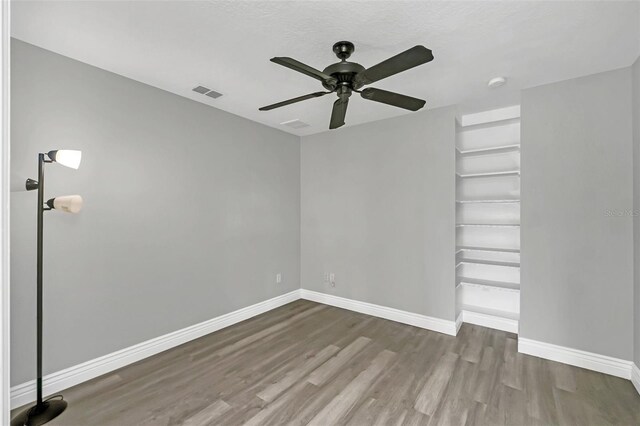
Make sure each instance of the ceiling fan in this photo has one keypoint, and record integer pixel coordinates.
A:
(343, 78)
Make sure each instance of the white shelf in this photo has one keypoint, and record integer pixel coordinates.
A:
(491, 150)
(492, 312)
(488, 262)
(491, 249)
(488, 225)
(489, 174)
(487, 201)
(496, 301)
(504, 285)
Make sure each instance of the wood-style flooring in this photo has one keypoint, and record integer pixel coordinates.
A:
(306, 363)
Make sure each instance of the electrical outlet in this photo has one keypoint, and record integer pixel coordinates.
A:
(278, 278)
(332, 279)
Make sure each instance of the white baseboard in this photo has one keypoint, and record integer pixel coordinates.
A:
(490, 321)
(55, 382)
(417, 320)
(635, 377)
(589, 360)
(459, 321)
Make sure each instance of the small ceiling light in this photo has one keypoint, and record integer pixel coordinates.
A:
(496, 82)
(67, 157)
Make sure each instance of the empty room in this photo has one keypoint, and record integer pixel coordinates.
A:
(320, 213)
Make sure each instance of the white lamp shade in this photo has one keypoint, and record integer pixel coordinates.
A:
(68, 203)
(67, 157)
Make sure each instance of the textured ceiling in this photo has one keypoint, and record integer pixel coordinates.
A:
(226, 45)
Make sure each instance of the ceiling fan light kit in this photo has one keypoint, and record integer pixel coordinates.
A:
(344, 77)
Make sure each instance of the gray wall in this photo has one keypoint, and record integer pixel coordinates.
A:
(189, 211)
(577, 205)
(378, 210)
(636, 204)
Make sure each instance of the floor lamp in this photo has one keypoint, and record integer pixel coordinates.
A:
(46, 410)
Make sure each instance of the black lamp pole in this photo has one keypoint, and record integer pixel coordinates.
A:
(42, 411)
(39, 274)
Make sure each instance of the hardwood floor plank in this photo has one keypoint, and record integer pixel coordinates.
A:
(367, 413)
(346, 399)
(208, 415)
(294, 375)
(458, 396)
(473, 349)
(513, 371)
(266, 332)
(539, 390)
(326, 371)
(284, 407)
(563, 376)
(431, 394)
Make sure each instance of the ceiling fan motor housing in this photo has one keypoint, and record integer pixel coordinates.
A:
(344, 72)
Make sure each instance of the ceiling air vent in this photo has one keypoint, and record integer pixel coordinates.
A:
(213, 94)
(207, 92)
(201, 89)
(295, 124)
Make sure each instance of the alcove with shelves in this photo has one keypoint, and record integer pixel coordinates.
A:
(488, 218)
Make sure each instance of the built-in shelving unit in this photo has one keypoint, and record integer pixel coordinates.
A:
(488, 219)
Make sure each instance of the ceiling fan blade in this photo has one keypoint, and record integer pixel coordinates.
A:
(339, 112)
(408, 59)
(305, 69)
(293, 101)
(391, 98)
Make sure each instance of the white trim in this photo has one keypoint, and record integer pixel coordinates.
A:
(635, 377)
(5, 15)
(490, 116)
(417, 320)
(55, 382)
(459, 321)
(589, 360)
(490, 321)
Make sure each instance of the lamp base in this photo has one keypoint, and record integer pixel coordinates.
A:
(40, 414)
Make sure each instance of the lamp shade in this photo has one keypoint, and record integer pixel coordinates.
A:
(66, 203)
(67, 157)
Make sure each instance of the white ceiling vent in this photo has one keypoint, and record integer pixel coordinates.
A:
(207, 92)
(295, 124)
